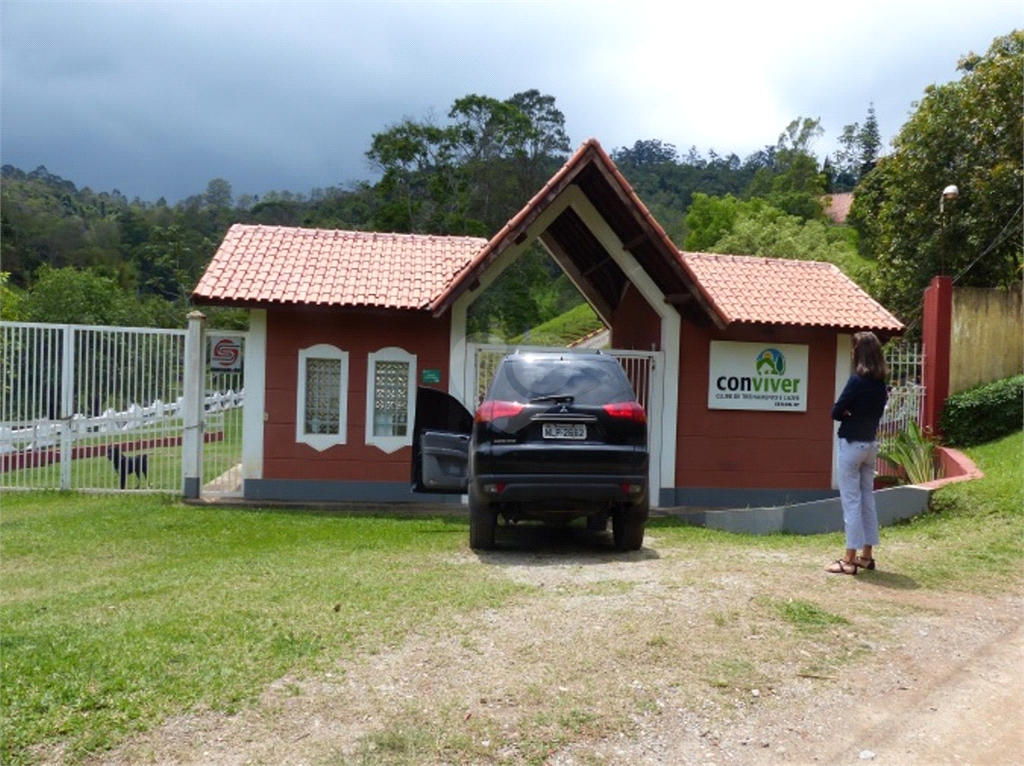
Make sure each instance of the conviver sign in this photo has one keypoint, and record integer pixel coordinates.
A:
(757, 376)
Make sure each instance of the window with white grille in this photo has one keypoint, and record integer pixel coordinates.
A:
(390, 398)
(322, 397)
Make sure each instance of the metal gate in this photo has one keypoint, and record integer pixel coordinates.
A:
(90, 408)
(643, 368)
(906, 394)
(102, 408)
(223, 407)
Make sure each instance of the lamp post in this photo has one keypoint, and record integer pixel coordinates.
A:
(950, 192)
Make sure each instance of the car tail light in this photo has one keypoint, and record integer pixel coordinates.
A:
(627, 410)
(492, 410)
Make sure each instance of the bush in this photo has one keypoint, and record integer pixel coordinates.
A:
(912, 452)
(984, 413)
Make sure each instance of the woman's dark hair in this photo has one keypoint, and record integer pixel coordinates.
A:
(868, 359)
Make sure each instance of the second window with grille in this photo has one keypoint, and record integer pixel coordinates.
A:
(391, 389)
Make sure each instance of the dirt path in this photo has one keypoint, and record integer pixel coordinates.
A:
(653, 658)
(967, 712)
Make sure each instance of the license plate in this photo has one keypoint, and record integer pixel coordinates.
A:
(565, 431)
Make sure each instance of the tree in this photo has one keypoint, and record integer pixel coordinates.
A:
(869, 142)
(79, 296)
(770, 232)
(651, 152)
(10, 299)
(857, 153)
(546, 145)
(711, 218)
(793, 181)
(420, 188)
(171, 262)
(969, 133)
(846, 162)
(218, 193)
(471, 175)
(490, 138)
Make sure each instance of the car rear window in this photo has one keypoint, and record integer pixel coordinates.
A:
(589, 380)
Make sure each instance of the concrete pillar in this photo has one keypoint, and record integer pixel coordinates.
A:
(192, 406)
(936, 331)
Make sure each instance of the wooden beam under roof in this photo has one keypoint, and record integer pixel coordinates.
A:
(597, 301)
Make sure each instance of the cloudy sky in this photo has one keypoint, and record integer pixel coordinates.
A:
(156, 98)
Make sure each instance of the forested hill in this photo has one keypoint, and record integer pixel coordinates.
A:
(141, 259)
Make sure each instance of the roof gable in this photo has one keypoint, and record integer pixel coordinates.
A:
(596, 177)
(282, 265)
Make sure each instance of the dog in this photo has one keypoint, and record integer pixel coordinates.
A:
(129, 464)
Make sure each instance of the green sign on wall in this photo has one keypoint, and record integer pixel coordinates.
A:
(430, 376)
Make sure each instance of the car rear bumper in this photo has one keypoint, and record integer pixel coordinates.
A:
(569, 491)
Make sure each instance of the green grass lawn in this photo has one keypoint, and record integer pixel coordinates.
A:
(117, 612)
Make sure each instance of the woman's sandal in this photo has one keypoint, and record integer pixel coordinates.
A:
(842, 566)
(864, 563)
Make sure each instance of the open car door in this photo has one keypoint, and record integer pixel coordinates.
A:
(440, 443)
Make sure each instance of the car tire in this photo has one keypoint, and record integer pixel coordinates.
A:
(482, 522)
(628, 530)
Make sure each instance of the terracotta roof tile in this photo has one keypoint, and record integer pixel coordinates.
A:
(837, 206)
(276, 264)
(777, 291)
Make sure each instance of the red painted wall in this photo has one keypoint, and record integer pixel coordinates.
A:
(358, 333)
(741, 449)
(635, 325)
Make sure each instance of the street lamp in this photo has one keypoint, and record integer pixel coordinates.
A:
(950, 192)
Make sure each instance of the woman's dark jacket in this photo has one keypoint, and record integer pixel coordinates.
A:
(864, 400)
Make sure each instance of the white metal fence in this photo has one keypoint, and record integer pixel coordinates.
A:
(100, 408)
(906, 394)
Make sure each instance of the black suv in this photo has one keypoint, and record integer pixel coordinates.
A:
(559, 436)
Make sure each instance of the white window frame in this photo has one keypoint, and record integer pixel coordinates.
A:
(320, 442)
(389, 444)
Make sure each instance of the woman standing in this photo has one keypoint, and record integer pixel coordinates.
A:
(858, 410)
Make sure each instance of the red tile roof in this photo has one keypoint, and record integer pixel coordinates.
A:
(837, 206)
(787, 292)
(275, 264)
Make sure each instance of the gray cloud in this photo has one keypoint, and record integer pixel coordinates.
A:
(157, 98)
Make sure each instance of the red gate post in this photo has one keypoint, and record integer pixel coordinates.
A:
(936, 331)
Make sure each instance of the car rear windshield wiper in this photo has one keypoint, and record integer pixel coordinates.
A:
(559, 398)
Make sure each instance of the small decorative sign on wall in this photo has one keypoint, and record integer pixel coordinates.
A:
(757, 376)
(430, 376)
(225, 354)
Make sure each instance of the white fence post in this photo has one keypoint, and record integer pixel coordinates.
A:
(192, 406)
(67, 407)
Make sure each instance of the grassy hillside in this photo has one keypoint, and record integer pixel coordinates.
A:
(574, 324)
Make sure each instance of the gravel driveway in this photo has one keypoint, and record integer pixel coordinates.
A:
(731, 655)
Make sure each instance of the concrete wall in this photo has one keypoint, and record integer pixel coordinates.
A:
(987, 336)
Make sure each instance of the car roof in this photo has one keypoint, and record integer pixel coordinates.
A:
(531, 356)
